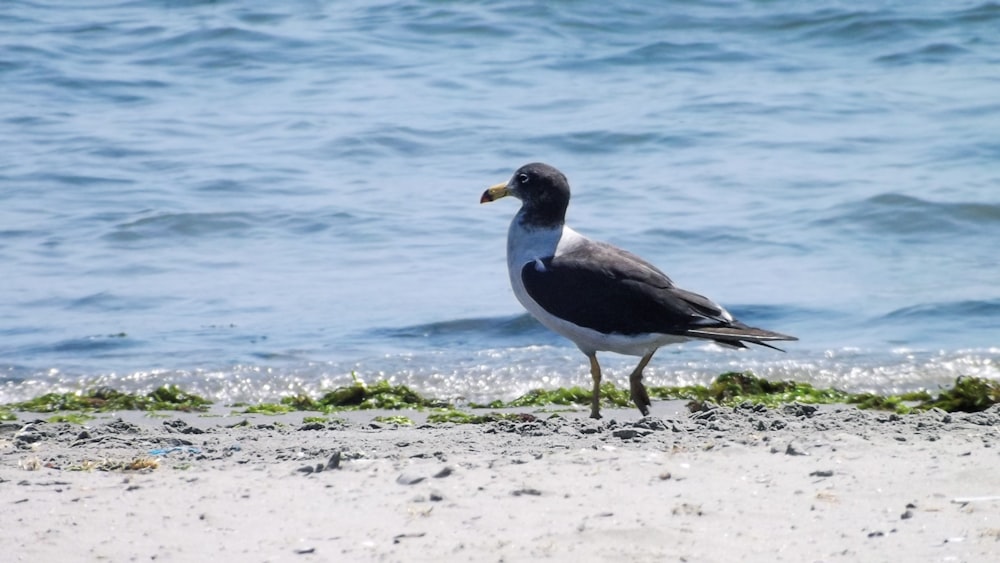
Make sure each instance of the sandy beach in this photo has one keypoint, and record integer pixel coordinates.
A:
(795, 483)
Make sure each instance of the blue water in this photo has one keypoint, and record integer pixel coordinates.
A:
(253, 199)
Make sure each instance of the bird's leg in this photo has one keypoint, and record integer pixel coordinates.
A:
(636, 389)
(595, 374)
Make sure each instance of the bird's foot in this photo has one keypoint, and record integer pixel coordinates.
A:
(640, 397)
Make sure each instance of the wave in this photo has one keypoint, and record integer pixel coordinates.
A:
(496, 331)
(969, 311)
(927, 54)
(184, 225)
(894, 213)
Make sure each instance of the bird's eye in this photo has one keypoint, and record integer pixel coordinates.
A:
(522, 178)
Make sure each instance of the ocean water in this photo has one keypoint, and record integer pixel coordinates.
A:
(251, 199)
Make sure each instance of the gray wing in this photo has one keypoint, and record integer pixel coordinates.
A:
(604, 288)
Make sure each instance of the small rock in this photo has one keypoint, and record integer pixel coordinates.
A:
(9, 427)
(792, 449)
(409, 479)
(436, 496)
(906, 515)
(334, 462)
(822, 473)
(630, 433)
(526, 491)
(445, 471)
(313, 426)
(650, 423)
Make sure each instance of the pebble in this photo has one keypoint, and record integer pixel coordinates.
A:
(409, 478)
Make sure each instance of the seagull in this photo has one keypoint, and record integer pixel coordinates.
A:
(601, 297)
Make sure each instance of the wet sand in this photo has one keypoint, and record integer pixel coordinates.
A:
(796, 483)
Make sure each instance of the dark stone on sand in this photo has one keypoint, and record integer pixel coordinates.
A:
(526, 491)
(27, 438)
(650, 423)
(445, 471)
(313, 426)
(822, 473)
(630, 433)
(397, 539)
(334, 462)
(119, 426)
(792, 449)
(799, 410)
(409, 479)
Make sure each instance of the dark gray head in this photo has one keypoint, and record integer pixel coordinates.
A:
(543, 191)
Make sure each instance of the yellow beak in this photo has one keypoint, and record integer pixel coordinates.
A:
(494, 193)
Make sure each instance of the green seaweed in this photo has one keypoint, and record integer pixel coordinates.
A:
(267, 408)
(379, 395)
(104, 399)
(454, 416)
(970, 394)
(398, 420)
(70, 417)
(611, 396)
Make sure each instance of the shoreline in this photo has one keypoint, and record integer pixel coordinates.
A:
(795, 482)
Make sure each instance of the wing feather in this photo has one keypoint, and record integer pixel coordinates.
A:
(604, 288)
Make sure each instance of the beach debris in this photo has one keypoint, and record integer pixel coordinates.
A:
(175, 449)
(687, 509)
(444, 472)
(968, 500)
(822, 473)
(526, 491)
(398, 537)
(305, 550)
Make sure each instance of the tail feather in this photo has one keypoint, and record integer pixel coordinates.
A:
(738, 336)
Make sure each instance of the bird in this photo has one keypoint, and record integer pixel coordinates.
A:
(602, 298)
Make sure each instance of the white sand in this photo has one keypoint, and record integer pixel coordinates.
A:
(728, 485)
